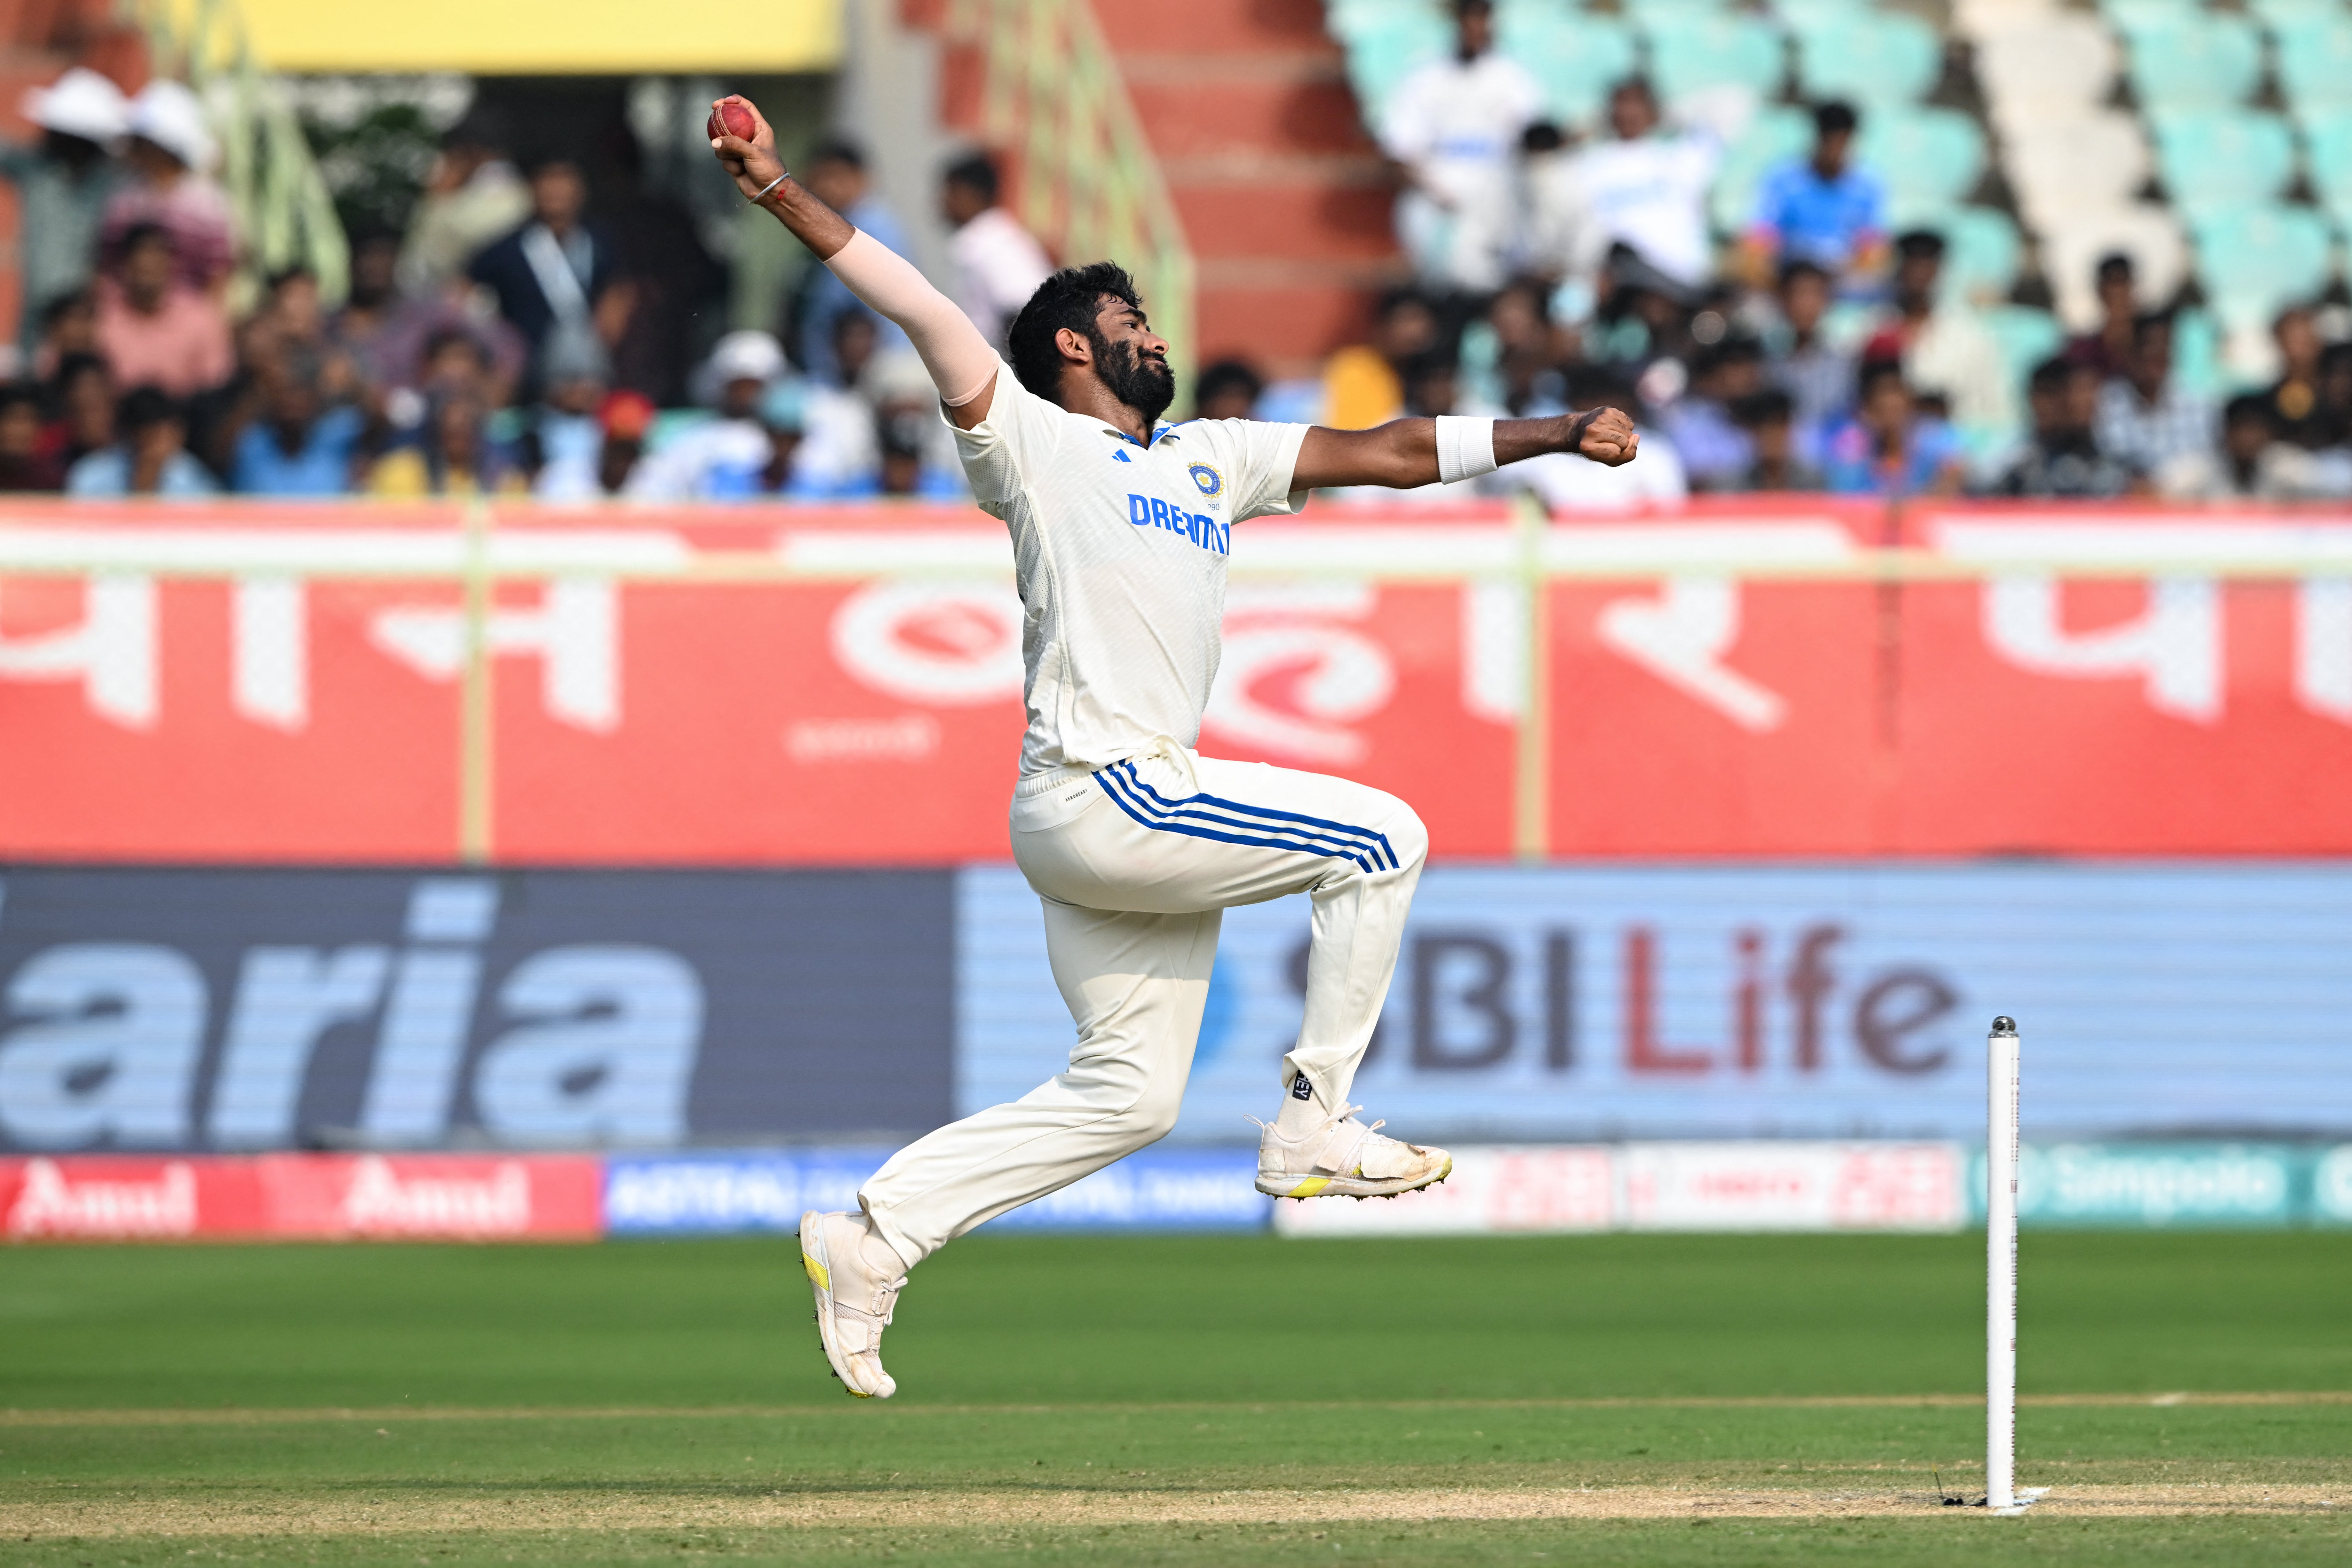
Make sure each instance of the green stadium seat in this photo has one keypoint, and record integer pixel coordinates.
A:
(1690, 52)
(2277, 14)
(2197, 355)
(2195, 63)
(2315, 60)
(1379, 58)
(1803, 15)
(1982, 257)
(2026, 336)
(1575, 61)
(2222, 158)
(2327, 154)
(1876, 60)
(2133, 17)
(1926, 156)
(2257, 260)
(1777, 134)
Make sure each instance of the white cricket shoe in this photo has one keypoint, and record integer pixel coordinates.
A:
(854, 1299)
(1345, 1159)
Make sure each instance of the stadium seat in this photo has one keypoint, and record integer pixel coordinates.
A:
(2064, 165)
(1690, 52)
(1926, 156)
(2222, 158)
(2195, 63)
(2072, 250)
(2132, 17)
(2276, 14)
(2256, 261)
(1576, 60)
(2315, 60)
(1777, 134)
(2327, 155)
(2026, 336)
(1381, 56)
(2065, 59)
(1879, 61)
(1984, 252)
(2197, 355)
(1799, 16)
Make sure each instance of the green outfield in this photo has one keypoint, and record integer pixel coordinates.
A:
(1178, 1400)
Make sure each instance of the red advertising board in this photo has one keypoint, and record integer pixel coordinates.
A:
(316, 1197)
(800, 686)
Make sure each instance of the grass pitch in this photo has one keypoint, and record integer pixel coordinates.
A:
(1184, 1400)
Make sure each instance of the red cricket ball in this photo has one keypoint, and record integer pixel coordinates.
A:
(733, 117)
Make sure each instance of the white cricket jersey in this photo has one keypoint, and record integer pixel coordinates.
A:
(1120, 554)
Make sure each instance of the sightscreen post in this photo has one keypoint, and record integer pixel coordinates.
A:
(2000, 1265)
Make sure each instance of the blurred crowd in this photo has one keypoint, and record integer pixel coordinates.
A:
(1821, 351)
(487, 350)
(512, 341)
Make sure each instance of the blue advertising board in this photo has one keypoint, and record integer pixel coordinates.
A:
(1600, 1004)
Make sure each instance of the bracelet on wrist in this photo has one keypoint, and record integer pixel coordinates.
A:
(762, 194)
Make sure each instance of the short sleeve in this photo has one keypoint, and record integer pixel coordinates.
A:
(1017, 437)
(1254, 462)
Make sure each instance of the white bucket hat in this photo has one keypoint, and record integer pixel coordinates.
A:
(747, 355)
(166, 113)
(79, 103)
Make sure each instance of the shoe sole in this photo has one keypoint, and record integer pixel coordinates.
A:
(818, 1265)
(1353, 1186)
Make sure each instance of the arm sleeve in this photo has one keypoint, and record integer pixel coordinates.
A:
(960, 360)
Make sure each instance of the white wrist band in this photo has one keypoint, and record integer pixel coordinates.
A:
(1465, 447)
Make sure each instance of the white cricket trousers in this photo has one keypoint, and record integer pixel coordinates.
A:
(1134, 863)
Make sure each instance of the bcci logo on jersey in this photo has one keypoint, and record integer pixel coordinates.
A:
(1210, 482)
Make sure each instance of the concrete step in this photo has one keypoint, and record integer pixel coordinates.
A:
(1211, 26)
(1303, 221)
(1185, 117)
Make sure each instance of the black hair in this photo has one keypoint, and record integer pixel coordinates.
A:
(13, 393)
(64, 305)
(1919, 245)
(1835, 118)
(1634, 82)
(1543, 136)
(1739, 348)
(481, 127)
(142, 407)
(2115, 261)
(850, 318)
(443, 337)
(1463, 7)
(1792, 270)
(1872, 373)
(285, 275)
(2051, 375)
(838, 150)
(2248, 408)
(1227, 375)
(1395, 299)
(539, 162)
(1071, 298)
(140, 234)
(2147, 324)
(976, 173)
(1770, 406)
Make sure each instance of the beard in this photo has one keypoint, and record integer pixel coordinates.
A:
(1146, 385)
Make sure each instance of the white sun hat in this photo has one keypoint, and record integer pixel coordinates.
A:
(79, 103)
(166, 113)
(746, 355)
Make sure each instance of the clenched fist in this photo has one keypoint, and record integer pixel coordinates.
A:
(1608, 437)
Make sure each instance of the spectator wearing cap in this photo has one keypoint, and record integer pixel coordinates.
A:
(998, 263)
(561, 439)
(1646, 185)
(171, 150)
(2145, 417)
(2063, 459)
(624, 417)
(2253, 462)
(720, 458)
(1944, 349)
(149, 455)
(299, 446)
(1887, 446)
(63, 184)
(835, 174)
(1453, 129)
(26, 464)
(1823, 208)
(473, 196)
(153, 329)
(559, 269)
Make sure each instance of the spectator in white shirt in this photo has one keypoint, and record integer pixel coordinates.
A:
(1647, 189)
(998, 263)
(1453, 129)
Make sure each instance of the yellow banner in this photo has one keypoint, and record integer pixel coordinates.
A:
(544, 38)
